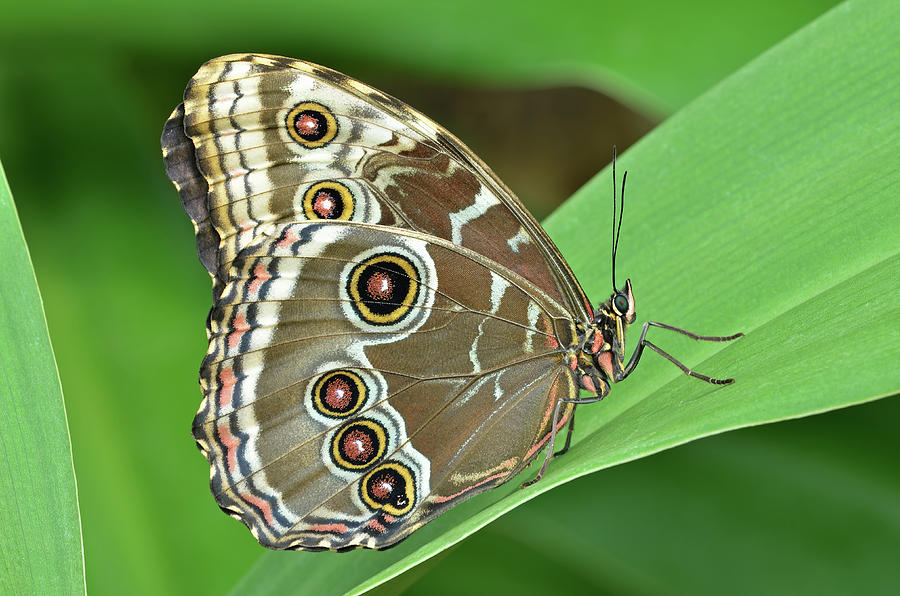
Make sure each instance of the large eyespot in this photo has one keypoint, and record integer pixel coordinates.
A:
(328, 200)
(388, 289)
(338, 394)
(358, 444)
(389, 487)
(383, 288)
(620, 304)
(311, 124)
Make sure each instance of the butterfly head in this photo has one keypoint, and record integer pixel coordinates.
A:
(620, 305)
(614, 317)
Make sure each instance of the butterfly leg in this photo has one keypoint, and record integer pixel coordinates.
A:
(644, 342)
(568, 434)
(550, 454)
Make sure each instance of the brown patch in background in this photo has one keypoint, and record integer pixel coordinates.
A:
(543, 143)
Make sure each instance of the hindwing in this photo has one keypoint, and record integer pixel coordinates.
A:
(344, 405)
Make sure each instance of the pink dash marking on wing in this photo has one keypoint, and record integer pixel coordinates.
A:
(260, 274)
(377, 526)
(551, 339)
(240, 327)
(339, 528)
(537, 446)
(553, 390)
(573, 362)
(231, 444)
(388, 518)
(227, 381)
(289, 238)
(465, 490)
(261, 504)
(505, 466)
(247, 226)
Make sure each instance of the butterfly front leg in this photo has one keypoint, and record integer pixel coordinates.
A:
(569, 432)
(601, 389)
(622, 373)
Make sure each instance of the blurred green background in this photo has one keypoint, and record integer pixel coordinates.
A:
(809, 505)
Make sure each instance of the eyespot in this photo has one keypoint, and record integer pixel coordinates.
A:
(311, 124)
(620, 304)
(338, 394)
(358, 444)
(389, 487)
(383, 288)
(328, 200)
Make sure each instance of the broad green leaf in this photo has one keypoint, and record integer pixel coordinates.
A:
(766, 206)
(40, 546)
(655, 54)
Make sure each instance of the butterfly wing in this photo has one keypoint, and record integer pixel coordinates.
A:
(181, 167)
(279, 140)
(362, 379)
(371, 362)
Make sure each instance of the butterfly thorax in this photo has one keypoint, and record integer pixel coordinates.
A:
(600, 360)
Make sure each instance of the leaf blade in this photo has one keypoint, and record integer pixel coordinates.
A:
(41, 542)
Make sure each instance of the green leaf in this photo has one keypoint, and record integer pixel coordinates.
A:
(41, 538)
(655, 54)
(805, 506)
(766, 206)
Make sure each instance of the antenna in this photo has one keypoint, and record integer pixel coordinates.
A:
(616, 229)
(613, 238)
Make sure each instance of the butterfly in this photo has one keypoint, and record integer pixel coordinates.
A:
(391, 331)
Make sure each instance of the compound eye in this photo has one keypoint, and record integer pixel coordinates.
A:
(620, 303)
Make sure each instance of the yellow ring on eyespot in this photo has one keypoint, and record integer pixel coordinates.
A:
(343, 191)
(381, 437)
(403, 306)
(331, 125)
(410, 491)
(323, 408)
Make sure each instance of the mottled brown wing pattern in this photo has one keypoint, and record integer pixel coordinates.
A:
(294, 454)
(393, 164)
(391, 330)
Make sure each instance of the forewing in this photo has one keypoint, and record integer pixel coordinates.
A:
(390, 164)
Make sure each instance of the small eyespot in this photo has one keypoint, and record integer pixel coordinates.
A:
(339, 393)
(311, 124)
(358, 444)
(389, 487)
(620, 304)
(328, 200)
